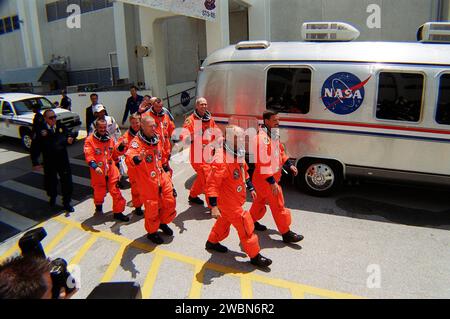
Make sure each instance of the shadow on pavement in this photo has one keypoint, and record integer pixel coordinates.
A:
(219, 265)
(380, 201)
(132, 251)
(194, 212)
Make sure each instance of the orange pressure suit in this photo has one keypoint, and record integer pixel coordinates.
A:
(202, 150)
(270, 158)
(156, 190)
(226, 189)
(100, 151)
(164, 128)
(129, 135)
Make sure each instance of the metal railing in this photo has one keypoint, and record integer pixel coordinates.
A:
(168, 97)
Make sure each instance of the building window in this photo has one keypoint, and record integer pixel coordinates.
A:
(16, 23)
(86, 6)
(52, 11)
(58, 10)
(443, 105)
(400, 96)
(99, 4)
(62, 9)
(289, 90)
(8, 24)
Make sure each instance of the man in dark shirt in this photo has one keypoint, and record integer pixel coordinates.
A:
(90, 118)
(52, 140)
(133, 103)
(66, 102)
(38, 121)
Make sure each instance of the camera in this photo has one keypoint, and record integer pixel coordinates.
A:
(30, 246)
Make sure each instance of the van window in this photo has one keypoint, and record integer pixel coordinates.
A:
(400, 96)
(443, 106)
(288, 90)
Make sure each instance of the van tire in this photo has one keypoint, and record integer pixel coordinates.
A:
(319, 177)
(25, 136)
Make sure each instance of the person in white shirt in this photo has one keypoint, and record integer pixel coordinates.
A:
(112, 126)
(114, 131)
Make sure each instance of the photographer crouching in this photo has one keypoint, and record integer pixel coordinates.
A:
(32, 275)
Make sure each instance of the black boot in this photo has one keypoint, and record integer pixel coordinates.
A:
(217, 247)
(99, 209)
(166, 229)
(155, 238)
(138, 211)
(291, 237)
(261, 261)
(121, 217)
(260, 227)
(68, 208)
(196, 200)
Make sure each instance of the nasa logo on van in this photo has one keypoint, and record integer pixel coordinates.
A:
(343, 93)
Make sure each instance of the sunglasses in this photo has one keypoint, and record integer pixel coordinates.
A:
(52, 117)
(158, 101)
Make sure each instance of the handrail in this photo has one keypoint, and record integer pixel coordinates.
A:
(168, 97)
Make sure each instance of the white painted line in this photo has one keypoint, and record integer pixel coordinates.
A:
(15, 220)
(78, 162)
(32, 191)
(81, 180)
(76, 179)
(181, 157)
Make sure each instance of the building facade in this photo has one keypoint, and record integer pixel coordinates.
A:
(118, 43)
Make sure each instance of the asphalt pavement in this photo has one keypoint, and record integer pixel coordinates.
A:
(370, 240)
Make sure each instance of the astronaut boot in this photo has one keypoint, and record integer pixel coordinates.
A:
(138, 211)
(166, 229)
(216, 247)
(155, 238)
(291, 237)
(260, 227)
(121, 217)
(196, 200)
(99, 209)
(260, 261)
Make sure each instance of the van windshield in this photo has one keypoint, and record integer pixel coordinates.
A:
(26, 106)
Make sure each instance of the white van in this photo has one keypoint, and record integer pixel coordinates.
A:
(376, 109)
(16, 115)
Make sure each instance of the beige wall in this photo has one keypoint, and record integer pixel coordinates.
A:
(400, 19)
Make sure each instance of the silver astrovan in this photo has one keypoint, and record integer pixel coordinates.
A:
(347, 108)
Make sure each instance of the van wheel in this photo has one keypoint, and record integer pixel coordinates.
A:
(26, 139)
(320, 177)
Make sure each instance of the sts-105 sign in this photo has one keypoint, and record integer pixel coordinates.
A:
(202, 9)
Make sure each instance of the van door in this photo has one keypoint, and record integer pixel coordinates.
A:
(7, 126)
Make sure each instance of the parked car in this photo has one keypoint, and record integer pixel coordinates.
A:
(16, 115)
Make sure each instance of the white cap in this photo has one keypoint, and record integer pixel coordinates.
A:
(98, 108)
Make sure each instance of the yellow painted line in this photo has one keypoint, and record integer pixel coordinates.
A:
(297, 293)
(280, 283)
(11, 251)
(147, 289)
(114, 264)
(246, 288)
(197, 282)
(55, 241)
(83, 250)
